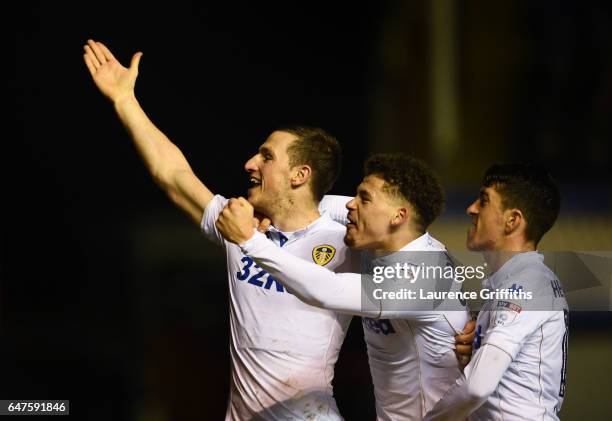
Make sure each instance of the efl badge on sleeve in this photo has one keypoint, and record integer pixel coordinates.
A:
(323, 254)
(505, 313)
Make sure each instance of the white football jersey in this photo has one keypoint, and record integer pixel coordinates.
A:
(282, 350)
(534, 333)
(412, 359)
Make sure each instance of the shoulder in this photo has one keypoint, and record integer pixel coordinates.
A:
(534, 274)
(334, 201)
(326, 225)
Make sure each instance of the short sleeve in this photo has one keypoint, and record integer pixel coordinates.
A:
(512, 320)
(211, 213)
(335, 207)
(509, 329)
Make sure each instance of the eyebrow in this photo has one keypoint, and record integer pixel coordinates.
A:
(364, 193)
(265, 150)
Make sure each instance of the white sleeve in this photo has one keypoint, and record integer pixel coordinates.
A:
(350, 293)
(508, 329)
(211, 213)
(482, 375)
(335, 207)
(311, 283)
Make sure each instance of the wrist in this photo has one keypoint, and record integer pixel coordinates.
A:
(246, 236)
(253, 241)
(124, 101)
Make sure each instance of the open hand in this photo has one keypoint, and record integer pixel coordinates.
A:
(114, 81)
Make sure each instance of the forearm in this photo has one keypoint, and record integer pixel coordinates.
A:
(320, 287)
(482, 376)
(311, 283)
(162, 158)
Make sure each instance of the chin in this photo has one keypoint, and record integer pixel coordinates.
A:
(474, 246)
(471, 245)
(355, 244)
(349, 241)
(254, 199)
(261, 206)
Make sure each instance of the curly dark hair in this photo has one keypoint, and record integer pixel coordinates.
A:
(413, 181)
(529, 188)
(318, 149)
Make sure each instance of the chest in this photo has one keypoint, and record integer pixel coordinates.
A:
(249, 278)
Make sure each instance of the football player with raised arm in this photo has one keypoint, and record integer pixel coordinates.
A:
(282, 350)
(518, 369)
(410, 349)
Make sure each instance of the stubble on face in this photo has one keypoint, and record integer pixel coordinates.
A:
(270, 166)
(487, 221)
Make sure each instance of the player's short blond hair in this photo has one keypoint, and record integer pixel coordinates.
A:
(319, 150)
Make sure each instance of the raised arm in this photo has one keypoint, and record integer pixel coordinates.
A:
(163, 159)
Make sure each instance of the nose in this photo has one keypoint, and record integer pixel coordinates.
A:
(472, 210)
(351, 204)
(251, 164)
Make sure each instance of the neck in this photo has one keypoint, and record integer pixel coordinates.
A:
(295, 217)
(496, 258)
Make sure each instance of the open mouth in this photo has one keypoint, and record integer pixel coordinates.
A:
(255, 181)
(472, 228)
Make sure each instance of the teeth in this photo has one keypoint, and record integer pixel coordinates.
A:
(255, 181)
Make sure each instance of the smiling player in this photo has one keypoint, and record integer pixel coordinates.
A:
(410, 348)
(282, 351)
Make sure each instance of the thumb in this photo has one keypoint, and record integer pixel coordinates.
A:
(264, 224)
(135, 62)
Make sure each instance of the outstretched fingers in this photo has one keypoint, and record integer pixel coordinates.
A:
(92, 57)
(90, 65)
(105, 51)
(97, 51)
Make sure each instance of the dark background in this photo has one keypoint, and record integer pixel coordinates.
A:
(112, 299)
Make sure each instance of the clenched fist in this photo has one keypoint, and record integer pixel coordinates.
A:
(237, 221)
(463, 343)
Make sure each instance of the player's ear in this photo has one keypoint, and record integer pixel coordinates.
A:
(400, 215)
(300, 175)
(513, 220)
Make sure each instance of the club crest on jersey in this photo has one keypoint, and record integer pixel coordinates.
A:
(323, 254)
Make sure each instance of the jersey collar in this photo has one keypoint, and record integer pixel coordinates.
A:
(424, 242)
(516, 262)
(282, 238)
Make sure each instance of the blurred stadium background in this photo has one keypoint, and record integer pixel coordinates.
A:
(110, 298)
